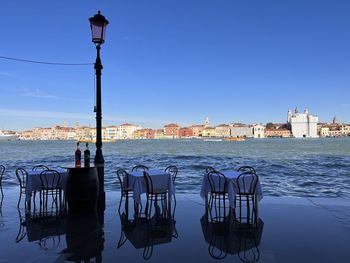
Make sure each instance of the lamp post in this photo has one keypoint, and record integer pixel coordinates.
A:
(98, 25)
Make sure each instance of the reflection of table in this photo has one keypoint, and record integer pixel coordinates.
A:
(232, 187)
(34, 182)
(228, 239)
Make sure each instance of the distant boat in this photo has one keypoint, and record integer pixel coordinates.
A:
(212, 140)
(235, 139)
(8, 136)
(94, 141)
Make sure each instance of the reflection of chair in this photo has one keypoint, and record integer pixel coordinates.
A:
(246, 169)
(22, 231)
(153, 195)
(22, 176)
(125, 189)
(140, 167)
(226, 238)
(246, 197)
(217, 196)
(50, 183)
(147, 233)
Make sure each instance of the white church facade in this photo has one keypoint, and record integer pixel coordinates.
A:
(303, 125)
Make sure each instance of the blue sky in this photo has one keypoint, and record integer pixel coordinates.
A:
(175, 61)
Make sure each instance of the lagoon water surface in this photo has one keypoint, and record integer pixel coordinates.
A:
(286, 167)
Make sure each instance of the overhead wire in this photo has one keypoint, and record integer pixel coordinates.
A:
(45, 62)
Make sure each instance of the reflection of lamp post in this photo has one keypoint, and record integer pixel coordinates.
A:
(98, 28)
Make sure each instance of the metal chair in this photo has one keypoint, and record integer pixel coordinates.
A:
(125, 190)
(140, 167)
(22, 176)
(209, 169)
(2, 171)
(246, 169)
(246, 197)
(50, 183)
(40, 167)
(153, 195)
(218, 196)
(22, 231)
(172, 170)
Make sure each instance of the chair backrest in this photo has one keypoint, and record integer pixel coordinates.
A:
(172, 170)
(40, 167)
(246, 169)
(149, 183)
(22, 176)
(123, 179)
(217, 181)
(50, 179)
(140, 167)
(247, 182)
(209, 169)
(2, 171)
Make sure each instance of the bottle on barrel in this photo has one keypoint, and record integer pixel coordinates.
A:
(77, 156)
(87, 156)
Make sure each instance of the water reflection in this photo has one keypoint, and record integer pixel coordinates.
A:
(227, 237)
(147, 233)
(85, 237)
(46, 229)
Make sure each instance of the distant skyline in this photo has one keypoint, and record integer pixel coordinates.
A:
(175, 61)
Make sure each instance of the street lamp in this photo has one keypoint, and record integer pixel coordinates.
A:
(98, 28)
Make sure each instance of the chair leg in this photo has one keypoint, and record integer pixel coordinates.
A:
(19, 200)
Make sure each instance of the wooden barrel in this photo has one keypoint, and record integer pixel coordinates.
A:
(82, 189)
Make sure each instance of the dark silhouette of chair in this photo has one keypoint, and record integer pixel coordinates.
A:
(40, 167)
(51, 190)
(172, 170)
(2, 171)
(246, 169)
(22, 176)
(125, 190)
(209, 169)
(153, 195)
(218, 196)
(140, 167)
(246, 198)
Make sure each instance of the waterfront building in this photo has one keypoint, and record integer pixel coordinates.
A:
(83, 133)
(171, 131)
(126, 130)
(325, 131)
(159, 134)
(111, 133)
(277, 130)
(185, 132)
(223, 130)
(144, 134)
(197, 130)
(303, 124)
(241, 130)
(258, 131)
(208, 132)
(345, 130)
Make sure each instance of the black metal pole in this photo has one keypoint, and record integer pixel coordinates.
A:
(99, 160)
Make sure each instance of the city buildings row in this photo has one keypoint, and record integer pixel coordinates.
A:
(298, 125)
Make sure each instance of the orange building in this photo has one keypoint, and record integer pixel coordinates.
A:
(171, 130)
(185, 132)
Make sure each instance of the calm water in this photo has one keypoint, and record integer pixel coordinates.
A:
(286, 167)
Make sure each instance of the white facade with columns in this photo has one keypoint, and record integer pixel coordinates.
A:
(303, 125)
